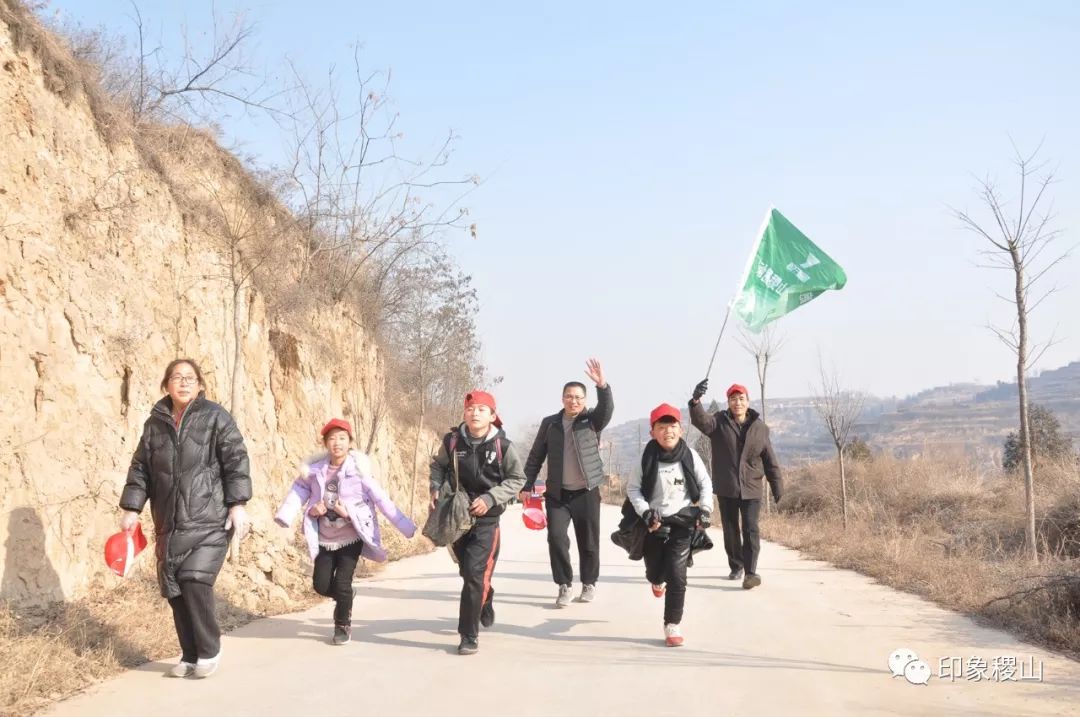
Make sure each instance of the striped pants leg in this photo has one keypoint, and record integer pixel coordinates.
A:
(476, 551)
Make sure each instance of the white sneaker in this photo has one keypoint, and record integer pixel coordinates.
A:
(588, 593)
(206, 666)
(565, 592)
(181, 669)
(672, 636)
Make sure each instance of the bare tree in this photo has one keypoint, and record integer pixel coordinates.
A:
(1019, 239)
(241, 224)
(434, 337)
(763, 347)
(197, 83)
(839, 410)
(356, 199)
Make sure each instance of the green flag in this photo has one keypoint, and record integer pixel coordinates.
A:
(785, 271)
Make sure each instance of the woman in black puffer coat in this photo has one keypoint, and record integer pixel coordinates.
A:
(191, 464)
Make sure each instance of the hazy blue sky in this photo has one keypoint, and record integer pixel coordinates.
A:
(630, 152)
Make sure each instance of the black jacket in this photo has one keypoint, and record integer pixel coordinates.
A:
(549, 445)
(191, 478)
(479, 469)
(735, 474)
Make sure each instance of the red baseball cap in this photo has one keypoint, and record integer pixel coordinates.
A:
(480, 397)
(662, 411)
(483, 398)
(737, 388)
(122, 548)
(336, 423)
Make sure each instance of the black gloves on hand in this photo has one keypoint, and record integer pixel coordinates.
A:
(705, 519)
(650, 516)
(699, 391)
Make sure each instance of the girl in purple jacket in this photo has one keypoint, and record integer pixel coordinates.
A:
(339, 495)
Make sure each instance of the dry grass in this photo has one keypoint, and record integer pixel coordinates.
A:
(613, 490)
(62, 73)
(936, 527)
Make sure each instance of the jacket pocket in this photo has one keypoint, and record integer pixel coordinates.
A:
(204, 489)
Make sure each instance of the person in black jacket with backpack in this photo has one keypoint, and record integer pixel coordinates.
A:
(478, 457)
(192, 466)
(570, 442)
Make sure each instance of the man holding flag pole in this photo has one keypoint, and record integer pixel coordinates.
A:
(785, 270)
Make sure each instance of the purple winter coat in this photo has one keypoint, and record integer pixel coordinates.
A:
(360, 493)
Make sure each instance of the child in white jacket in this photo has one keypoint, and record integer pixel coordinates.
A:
(340, 495)
(672, 492)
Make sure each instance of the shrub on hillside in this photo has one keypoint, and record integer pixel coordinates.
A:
(1048, 443)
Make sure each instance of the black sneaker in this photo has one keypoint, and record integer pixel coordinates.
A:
(468, 646)
(342, 634)
(735, 574)
(487, 613)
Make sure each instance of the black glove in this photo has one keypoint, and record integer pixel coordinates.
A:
(705, 519)
(699, 391)
(650, 516)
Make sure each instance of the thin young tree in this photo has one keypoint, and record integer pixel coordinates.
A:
(763, 347)
(839, 410)
(434, 334)
(1021, 240)
(241, 226)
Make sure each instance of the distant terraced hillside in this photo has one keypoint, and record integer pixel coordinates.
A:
(969, 418)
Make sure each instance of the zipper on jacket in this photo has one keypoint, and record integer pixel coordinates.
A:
(176, 431)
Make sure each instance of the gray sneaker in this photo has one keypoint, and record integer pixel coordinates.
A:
(206, 667)
(564, 596)
(181, 669)
(588, 592)
(342, 634)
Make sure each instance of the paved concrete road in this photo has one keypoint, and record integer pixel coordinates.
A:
(813, 640)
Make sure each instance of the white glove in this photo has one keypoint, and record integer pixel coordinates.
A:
(128, 521)
(238, 521)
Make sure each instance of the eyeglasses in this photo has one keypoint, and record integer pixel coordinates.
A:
(573, 398)
(183, 380)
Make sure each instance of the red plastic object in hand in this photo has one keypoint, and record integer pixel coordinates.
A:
(533, 513)
(122, 548)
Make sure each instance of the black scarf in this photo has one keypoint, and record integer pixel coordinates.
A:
(650, 466)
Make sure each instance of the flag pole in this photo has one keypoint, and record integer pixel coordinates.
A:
(739, 286)
(717, 347)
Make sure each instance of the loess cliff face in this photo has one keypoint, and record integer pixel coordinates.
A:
(109, 268)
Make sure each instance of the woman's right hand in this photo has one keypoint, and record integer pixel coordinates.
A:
(434, 499)
(318, 510)
(128, 521)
